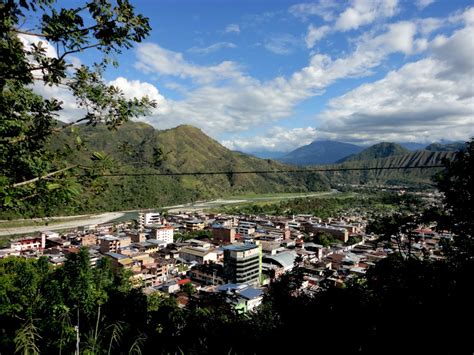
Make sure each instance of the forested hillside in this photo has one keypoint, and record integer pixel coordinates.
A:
(139, 148)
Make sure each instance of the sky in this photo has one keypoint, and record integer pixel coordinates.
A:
(275, 75)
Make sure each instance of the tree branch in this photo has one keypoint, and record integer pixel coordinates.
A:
(59, 129)
(18, 184)
(29, 33)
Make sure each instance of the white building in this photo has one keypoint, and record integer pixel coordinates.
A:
(163, 234)
(147, 219)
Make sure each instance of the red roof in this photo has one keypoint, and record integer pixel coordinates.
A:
(184, 281)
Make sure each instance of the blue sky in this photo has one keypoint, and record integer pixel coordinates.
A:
(274, 75)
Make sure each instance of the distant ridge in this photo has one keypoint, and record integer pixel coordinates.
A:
(449, 147)
(320, 152)
(379, 150)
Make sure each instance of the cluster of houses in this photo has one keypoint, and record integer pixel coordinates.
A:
(239, 256)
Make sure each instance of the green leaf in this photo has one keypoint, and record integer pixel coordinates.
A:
(7, 201)
(53, 186)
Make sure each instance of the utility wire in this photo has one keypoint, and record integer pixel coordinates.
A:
(118, 174)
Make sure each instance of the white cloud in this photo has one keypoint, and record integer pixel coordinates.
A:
(421, 4)
(242, 102)
(431, 99)
(363, 12)
(315, 34)
(212, 48)
(138, 89)
(232, 28)
(29, 40)
(154, 59)
(279, 139)
(281, 43)
(322, 8)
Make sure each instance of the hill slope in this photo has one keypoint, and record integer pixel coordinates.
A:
(320, 152)
(139, 148)
(391, 176)
(379, 150)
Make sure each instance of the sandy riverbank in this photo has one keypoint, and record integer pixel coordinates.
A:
(60, 223)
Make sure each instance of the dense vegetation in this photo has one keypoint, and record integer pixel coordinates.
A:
(403, 304)
(37, 38)
(371, 203)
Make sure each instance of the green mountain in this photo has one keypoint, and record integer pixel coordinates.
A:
(139, 148)
(380, 150)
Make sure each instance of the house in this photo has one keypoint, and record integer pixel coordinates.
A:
(198, 254)
(244, 297)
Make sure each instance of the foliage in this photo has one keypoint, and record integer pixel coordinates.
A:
(324, 239)
(372, 203)
(33, 178)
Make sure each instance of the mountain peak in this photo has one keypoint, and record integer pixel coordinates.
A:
(379, 150)
(320, 152)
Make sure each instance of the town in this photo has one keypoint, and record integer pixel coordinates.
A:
(193, 254)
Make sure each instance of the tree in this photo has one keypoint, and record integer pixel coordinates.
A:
(323, 238)
(456, 182)
(33, 178)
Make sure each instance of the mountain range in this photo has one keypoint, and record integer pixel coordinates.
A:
(138, 148)
(332, 152)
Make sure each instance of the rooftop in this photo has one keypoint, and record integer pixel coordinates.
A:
(240, 247)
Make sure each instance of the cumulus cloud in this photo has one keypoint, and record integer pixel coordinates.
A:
(138, 89)
(242, 102)
(315, 34)
(212, 48)
(363, 12)
(232, 28)
(431, 99)
(276, 139)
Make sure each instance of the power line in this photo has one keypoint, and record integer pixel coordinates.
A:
(297, 171)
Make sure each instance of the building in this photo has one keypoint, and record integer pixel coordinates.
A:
(198, 255)
(284, 260)
(25, 244)
(223, 234)
(89, 240)
(207, 274)
(109, 244)
(194, 225)
(246, 229)
(244, 297)
(146, 219)
(163, 234)
(243, 263)
(340, 233)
